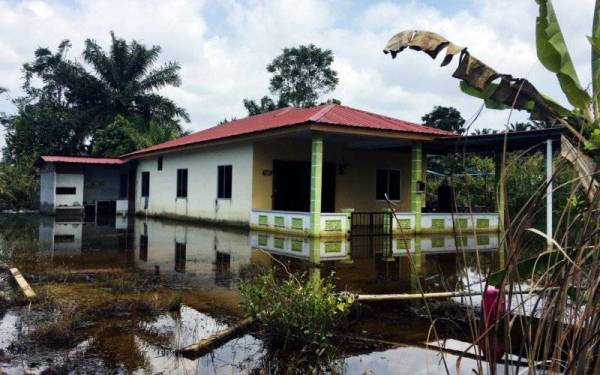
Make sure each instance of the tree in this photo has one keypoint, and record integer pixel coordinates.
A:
(445, 118)
(300, 75)
(70, 107)
(265, 104)
(117, 138)
(126, 80)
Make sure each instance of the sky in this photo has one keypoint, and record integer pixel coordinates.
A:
(224, 46)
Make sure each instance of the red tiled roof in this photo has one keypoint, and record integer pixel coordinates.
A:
(81, 160)
(330, 114)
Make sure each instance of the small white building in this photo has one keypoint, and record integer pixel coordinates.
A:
(78, 184)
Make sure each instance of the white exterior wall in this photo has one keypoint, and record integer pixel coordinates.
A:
(69, 200)
(201, 201)
(47, 176)
(202, 246)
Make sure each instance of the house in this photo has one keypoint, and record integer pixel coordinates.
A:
(316, 172)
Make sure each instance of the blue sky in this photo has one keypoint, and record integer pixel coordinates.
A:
(223, 47)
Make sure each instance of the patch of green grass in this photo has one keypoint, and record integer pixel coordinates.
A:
(296, 312)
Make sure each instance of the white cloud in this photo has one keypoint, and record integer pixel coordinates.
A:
(223, 47)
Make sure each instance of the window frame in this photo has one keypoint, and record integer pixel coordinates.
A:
(224, 192)
(181, 189)
(388, 179)
(145, 186)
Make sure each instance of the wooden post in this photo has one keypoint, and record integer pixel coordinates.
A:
(205, 346)
(549, 172)
(23, 284)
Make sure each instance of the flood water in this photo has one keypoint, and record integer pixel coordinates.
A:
(206, 264)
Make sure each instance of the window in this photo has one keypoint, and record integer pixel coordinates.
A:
(66, 191)
(145, 184)
(224, 188)
(64, 238)
(387, 181)
(123, 186)
(182, 183)
(180, 249)
(159, 163)
(144, 248)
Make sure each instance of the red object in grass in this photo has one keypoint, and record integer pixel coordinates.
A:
(493, 305)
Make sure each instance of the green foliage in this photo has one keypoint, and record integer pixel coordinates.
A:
(265, 104)
(472, 177)
(553, 54)
(19, 184)
(68, 108)
(300, 75)
(445, 118)
(519, 127)
(118, 138)
(295, 312)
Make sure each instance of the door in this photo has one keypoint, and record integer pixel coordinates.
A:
(291, 186)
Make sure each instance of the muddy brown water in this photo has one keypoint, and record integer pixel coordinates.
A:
(204, 264)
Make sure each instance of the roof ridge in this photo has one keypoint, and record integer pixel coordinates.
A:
(322, 112)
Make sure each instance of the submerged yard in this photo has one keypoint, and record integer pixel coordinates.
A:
(122, 297)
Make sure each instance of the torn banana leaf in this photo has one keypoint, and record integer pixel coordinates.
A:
(478, 79)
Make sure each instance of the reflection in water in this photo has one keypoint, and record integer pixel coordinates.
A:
(210, 261)
(215, 256)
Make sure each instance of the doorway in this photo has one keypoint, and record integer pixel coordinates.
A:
(291, 186)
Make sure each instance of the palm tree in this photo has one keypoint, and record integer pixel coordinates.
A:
(125, 81)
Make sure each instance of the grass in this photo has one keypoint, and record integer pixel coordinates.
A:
(295, 312)
(559, 332)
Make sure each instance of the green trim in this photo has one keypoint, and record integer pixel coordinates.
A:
(404, 223)
(438, 223)
(483, 223)
(462, 241)
(483, 240)
(403, 243)
(278, 243)
(316, 175)
(333, 225)
(437, 242)
(297, 245)
(416, 174)
(333, 246)
(263, 220)
(279, 222)
(263, 240)
(297, 223)
(461, 223)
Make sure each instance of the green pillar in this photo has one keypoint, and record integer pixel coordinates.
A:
(500, 190)
(316, 176)
(417, 265)
(501, 205)
(416, 198)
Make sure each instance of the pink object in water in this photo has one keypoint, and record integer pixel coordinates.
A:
(493, 305)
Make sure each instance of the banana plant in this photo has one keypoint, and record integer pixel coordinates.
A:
(502, 91)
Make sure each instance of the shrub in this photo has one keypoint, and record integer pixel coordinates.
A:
(300, 312)
(175, 302)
